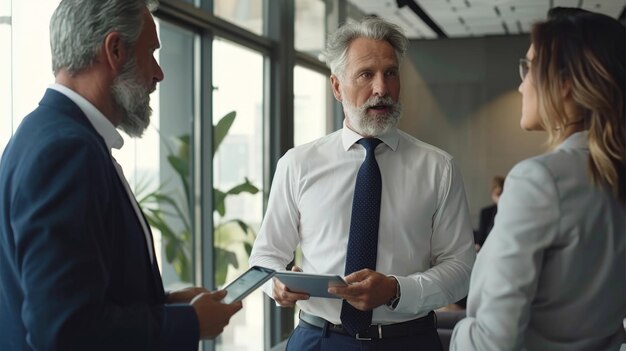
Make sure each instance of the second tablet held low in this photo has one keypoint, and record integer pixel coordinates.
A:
(316, 285)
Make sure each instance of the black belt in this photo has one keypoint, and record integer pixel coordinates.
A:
(374, 331)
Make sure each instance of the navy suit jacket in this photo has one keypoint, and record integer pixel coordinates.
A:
(75, 273)
(487, 215)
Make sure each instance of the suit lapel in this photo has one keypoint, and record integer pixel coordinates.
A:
(68, 109)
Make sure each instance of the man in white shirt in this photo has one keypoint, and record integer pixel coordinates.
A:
(77, 264)
(425, 248)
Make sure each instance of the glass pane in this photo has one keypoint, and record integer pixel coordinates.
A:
(310, 26)
(145, 160)
(30, 58)
(238, 82)
(5, 10)
(247, 14)
(6, 125)
(311, 116)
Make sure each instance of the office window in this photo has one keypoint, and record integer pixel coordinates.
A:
(311, 110)
(247, 14)
(6, 121)
(238, 81)
(26, 64)
(26, 71)
(238, 87)
(310, 26)
(147, 161)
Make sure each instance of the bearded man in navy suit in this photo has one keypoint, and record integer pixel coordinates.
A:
(77, 264)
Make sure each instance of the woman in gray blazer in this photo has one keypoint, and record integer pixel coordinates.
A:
(552, 275)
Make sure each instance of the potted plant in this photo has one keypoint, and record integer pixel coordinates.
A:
(169, 212)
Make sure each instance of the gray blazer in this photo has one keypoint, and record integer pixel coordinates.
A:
(552, 275)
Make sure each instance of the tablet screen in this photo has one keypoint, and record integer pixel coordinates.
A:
(247, 283)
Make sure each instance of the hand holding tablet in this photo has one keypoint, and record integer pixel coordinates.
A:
(315, 285)
(247, 283)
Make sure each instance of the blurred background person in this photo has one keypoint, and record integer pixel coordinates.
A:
(487, 214)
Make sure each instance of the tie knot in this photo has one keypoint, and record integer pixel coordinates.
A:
(369, 143)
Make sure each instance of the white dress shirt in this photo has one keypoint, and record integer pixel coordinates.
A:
(425, 236)
(552, 273)
(113, 139)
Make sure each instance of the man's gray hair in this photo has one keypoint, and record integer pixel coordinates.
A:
(78, 29)
(336, 52)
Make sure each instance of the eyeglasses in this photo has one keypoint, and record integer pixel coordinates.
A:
(524, 66)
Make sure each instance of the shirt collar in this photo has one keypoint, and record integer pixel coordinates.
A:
(578, 140)
(101, 124)
(350, 137)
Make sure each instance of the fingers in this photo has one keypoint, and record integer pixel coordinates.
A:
(296, 269)
(197, 297)
(234, 307)
(364, 290)
(198, 290)
(284, 297)
(184, 295)
(289, 299)
(359, 282)
(218, 295)
(213, 315)
(359, 276)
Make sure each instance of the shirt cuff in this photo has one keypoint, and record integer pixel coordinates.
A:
(409, 292)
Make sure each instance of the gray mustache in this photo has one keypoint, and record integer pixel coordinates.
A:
(374, 101)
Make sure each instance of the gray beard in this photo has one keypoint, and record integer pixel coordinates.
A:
(372, 126)
(132, 100)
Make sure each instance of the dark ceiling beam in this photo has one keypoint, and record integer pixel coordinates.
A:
(422, 15)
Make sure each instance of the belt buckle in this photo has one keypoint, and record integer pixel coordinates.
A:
(380, 334)
(362, 339)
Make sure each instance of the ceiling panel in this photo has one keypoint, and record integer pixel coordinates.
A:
(470, 18)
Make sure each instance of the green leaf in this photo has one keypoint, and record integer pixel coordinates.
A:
(221, 129)
(182, 213)
(248, 247)
(245, 187)
(156, 220)
(183, 148)
(246, 229)
(170, 251)
(223, 259)
(218, 201)
(180, 165)
(229, 233)
(160, 207)
(219, 197)
(184, 271)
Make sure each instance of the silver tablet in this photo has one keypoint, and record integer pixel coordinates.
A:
(247, 283)
(313, 284)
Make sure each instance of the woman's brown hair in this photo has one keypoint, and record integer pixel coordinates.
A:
(584, 52)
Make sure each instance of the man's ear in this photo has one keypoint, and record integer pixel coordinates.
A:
(334, 84)
(114, 52)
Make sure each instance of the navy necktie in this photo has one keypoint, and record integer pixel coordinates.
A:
(363, 241)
